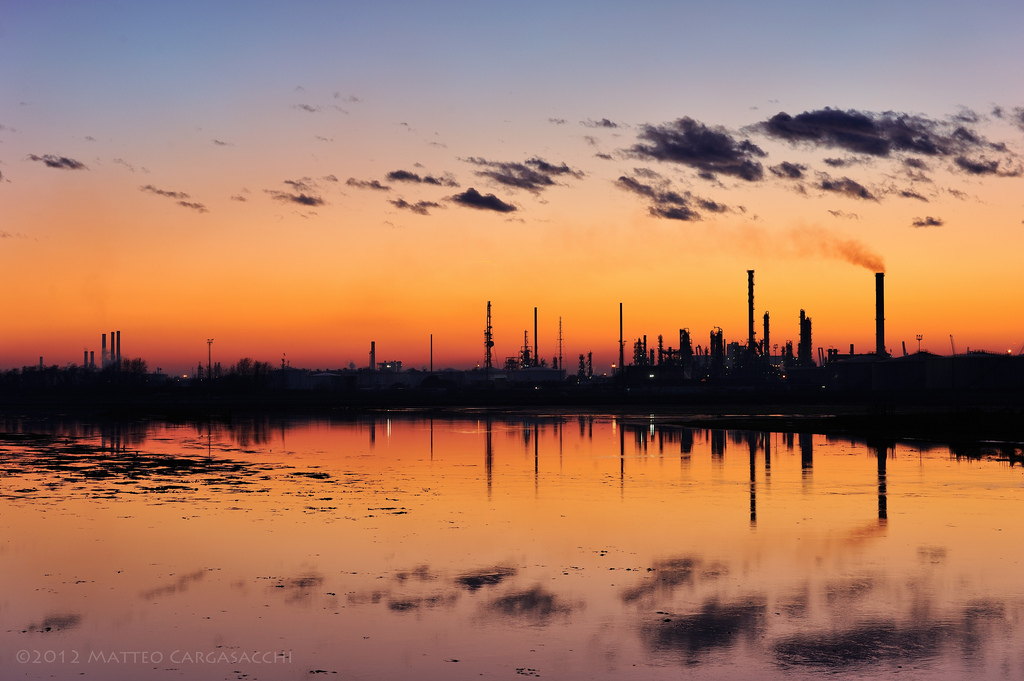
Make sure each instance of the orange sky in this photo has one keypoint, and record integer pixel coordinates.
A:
(174, 198)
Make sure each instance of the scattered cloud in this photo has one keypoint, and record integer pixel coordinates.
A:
(62, 162)
(301, 199)
(420, 207)
(126, 164)
(351, 99)
(304, 184)
(712, 151)
(222, 143)
(603, 123)
(194, 206)
(984, 166)
(604, 157)
(163, 192)
(845, 186)
(557, 121)
(330, 178)
(886, 134)
(181, 198)
(792, 171)
(474, 199)
(844, 214)
(408, 176)
(929, 221)
(306, 107)
(239, 197)
(90, 138)
(911, 194)
(367, 184)
(533, 174)
(669, 204)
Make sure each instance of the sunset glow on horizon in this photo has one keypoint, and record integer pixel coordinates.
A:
(296, 181)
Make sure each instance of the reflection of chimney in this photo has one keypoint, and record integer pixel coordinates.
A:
(750, 310)
(373, 355)
(880, 314)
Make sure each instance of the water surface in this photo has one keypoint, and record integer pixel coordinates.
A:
(399, 547)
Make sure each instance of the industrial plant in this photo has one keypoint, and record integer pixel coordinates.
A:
(688, 369)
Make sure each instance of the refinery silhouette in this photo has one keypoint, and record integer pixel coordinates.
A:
(690, 373)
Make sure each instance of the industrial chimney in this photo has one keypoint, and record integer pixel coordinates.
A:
(880, 314)
(750, 310)
(373, 355)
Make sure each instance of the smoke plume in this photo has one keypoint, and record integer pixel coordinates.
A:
(812, 241)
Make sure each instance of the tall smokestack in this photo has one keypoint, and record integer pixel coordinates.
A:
(880, 314)
(103, 352)
(373, 355)
(750, 310)
(92, 359)
(767, 349)
(85, 358)
(119, 348)
(622, 356)
(536, 359)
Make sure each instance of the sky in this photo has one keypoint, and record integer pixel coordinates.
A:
(296, 180)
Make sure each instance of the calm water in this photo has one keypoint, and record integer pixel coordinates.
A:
(566, 548)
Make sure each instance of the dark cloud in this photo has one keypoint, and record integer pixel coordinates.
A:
(911, 194)
(221, 143)
(669, 204)
(533, 174)
(927, 222)
(62, 162)
(884, 134)
(367, 184)
(839, 162)
(846, 186)
(301, 199)
(420, 207)
(330, 178)
(474, 199)
(915, 163)
(306, 107)
(194, 206)
(408, 176)
(303, 184)
(603, 123)
(984, 166)
(181, 198)
(557, 121)
(606, 157)
(712, 151)
(793, 171)
(163, 192)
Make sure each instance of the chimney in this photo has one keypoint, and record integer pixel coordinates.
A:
(622, 357)
(85, 358)
(880, 314)
(766, 349)
(119, 348)
(536, 359)
(750, 310)
(373, 355)
(103, 352)
(92, 359)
